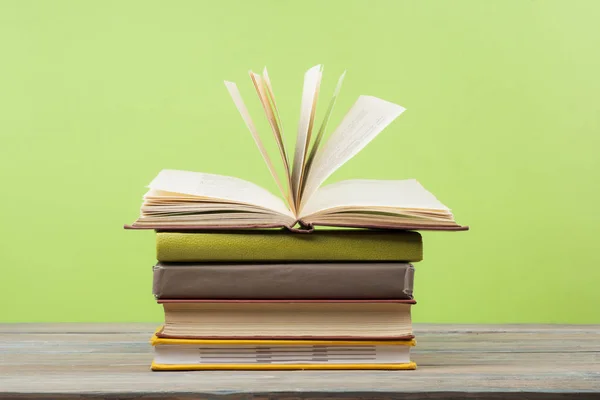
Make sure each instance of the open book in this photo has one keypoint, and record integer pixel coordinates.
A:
(192, 200)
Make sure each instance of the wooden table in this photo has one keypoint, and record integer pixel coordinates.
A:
(77, 361)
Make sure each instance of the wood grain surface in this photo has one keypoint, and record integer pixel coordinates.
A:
(83, 361)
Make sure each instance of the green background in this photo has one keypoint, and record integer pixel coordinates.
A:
(502, 124)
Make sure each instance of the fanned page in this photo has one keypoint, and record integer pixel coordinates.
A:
(377, 203)
(241, 106)
(321, 133)
(367, 117)
(312, 81)
(194, 199)
(267, 99)
(281, 137)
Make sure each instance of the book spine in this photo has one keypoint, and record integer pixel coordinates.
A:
(409, 279)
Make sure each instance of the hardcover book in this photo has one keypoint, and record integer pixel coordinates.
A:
(298, 281)
(263, 245)
(287, 319)
(186, 354)
(179, 200)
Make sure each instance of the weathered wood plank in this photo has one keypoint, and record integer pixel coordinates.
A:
(145, 327)
(313, 396)
(64, 361)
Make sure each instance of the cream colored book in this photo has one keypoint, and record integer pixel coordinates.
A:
(287, 319)
(179, 200)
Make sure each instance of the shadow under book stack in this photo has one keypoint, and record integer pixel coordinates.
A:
(273, 299)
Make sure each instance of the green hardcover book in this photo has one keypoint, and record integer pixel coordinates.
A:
(280, 245)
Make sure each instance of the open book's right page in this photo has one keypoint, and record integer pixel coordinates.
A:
(376, 203)
(367, 117)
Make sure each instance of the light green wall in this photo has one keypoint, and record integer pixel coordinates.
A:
(502, 124)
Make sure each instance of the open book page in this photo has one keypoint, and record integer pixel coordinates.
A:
(372, 195)
(317, 142)
(312, 81)
(367, 117)
(281, 137)
(211, 220)
(239, 103)
(155, 204)
(268, 106)
(218, 188)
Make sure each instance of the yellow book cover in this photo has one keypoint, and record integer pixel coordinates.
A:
(195, 354)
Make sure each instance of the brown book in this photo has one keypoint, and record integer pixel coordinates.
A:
(287, 319)
(284, 281)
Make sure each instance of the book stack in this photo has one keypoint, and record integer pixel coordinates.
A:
(269, 299)
(246, 279)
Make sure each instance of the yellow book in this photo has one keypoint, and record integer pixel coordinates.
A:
(195, 354)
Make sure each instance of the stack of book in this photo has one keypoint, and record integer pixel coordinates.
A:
(267, 299)
(247, 282)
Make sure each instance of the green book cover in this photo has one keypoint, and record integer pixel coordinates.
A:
(280, 245)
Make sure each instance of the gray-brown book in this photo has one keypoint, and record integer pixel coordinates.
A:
(324, 281)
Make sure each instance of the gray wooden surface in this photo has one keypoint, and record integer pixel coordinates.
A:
(64, 361)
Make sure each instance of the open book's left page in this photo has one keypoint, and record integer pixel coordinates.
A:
(184, 198)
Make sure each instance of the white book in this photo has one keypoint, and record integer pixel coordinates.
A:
(187, 354)
(195, 200)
